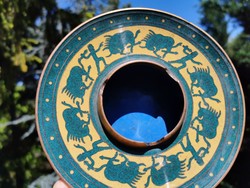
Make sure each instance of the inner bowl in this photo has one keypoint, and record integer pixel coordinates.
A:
(141, 104)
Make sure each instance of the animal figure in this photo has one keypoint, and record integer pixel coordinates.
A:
(208, 119)
(77, 128)
(126, 172)
(167, 171)
(196, 155)
(159, 42)
(117, 43)
(190, 55)
(88, 154)
(75, 87)
(92, 53)
(203, 81)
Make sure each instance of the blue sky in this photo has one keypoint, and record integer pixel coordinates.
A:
(187, 9)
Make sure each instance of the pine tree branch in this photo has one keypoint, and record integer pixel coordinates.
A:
(29, 132)
(45, 181)
(22, 119)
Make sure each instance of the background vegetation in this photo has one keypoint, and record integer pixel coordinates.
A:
(30, 30)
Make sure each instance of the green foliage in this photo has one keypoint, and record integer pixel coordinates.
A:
(12, 19)
(29, 31)
(239, 10)
(214, 21)
(239, 49)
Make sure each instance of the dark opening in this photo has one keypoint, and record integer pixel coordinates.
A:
(142, 102)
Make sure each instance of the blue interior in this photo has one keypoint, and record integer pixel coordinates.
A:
(142, 102)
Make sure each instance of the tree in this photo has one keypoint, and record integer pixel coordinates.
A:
(214, 20)
(222, 11)
(239, 10)
(29, 31)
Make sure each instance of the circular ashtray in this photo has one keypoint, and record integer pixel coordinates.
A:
(140, 98)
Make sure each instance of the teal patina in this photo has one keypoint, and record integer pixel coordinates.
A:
(68, 118)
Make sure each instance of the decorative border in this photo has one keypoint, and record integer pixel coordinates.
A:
(47, 90)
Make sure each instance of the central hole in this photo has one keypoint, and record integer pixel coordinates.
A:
(142, 102)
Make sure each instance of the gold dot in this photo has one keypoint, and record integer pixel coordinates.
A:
(211, 174)
(60, 156)
(218, 60)
(222, 159)
(128, 18)
(57, 65)
(47, 119)
(111, 21)
(207, 47)
(179, 26)
(52, 138)
(226, 75)
(193, 35)
(50, 83)
(234, 109)
(86, 185)
(233, 127)
(47, 100)
(231, 92)
(229, 143)
(67, 50)
(94, 29)
(196, 186)
(162, 20)
(71, 172)
(146, 17)
(79, 38)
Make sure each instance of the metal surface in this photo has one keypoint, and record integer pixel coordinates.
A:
(70, 124)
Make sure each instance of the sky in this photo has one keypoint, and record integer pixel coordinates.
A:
(186, 9)
(189, 10)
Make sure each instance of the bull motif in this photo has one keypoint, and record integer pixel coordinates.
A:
(77, 128)
(207, 118)
(117, 43)
(158, 42)
(126, 172)
(203, 82)
(75, 87)
(167, 171)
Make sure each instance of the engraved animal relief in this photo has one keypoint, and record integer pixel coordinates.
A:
(119, 168)
(91, 52)
(189, 56)
(75, 87)
(76, 126)
(197, 155)
(203, 127)
(159, 43)
(167, 170)
(86, 155)
(117, 43)
(203, 84)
